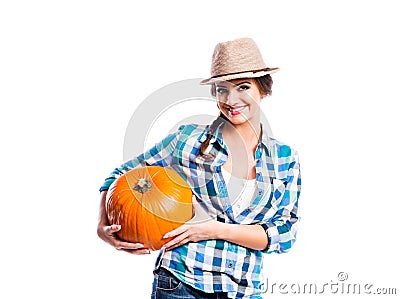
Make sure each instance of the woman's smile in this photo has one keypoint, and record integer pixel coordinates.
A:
(235, 110)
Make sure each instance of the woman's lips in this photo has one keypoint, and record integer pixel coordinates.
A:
(236, 110)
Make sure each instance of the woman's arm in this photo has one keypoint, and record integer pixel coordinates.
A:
(161, 155)
(282, 227)
(250, 236)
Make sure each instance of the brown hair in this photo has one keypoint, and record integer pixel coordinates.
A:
(264, 84)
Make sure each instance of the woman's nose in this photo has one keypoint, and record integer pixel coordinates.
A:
(232, 98)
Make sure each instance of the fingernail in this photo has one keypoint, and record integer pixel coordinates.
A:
(166, 236)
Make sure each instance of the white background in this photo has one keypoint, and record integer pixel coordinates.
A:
(72, 73)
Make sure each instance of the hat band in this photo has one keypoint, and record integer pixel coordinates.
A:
(254, 71)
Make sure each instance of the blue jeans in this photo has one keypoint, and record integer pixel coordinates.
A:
(166, 286)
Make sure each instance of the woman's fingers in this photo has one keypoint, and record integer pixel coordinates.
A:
(126, 245)
(176, 243)
(112, 229)
(133, 248)
(180, 236)
(137, 251)
(176, 232)
(191, 233)
(110, 237)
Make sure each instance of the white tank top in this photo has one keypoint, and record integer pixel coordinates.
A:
(241, 191)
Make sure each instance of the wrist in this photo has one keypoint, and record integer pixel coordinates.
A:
(102, 223)
(222, 230)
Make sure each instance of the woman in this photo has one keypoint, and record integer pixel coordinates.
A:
(245, 184)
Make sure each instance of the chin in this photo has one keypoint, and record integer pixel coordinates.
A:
(237, 120)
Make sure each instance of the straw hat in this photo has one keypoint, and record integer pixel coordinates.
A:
(239, 58)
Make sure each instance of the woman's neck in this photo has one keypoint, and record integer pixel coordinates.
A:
(246, 132)
(241, 141)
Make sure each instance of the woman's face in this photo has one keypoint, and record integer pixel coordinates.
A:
(239, 100)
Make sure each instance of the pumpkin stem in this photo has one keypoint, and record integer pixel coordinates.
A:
(143, 185)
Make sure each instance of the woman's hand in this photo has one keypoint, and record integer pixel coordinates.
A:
(108, 234)
(207, 230)
(250, 236)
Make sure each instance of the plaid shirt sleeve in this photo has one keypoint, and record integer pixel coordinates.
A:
(282, 228)
(160, 155)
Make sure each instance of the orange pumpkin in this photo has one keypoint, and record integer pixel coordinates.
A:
(148, 202)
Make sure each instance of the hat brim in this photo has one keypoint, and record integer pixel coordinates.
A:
(249, 74)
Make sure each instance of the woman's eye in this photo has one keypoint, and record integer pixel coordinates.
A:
(244, 87)
(222, 90)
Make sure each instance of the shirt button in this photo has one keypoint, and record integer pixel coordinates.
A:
(230, 265)
(260, 192)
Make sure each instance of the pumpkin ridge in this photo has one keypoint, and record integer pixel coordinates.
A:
(131, 203)
(136, 224)
(127, 204)
(160, 229)
(145, 231)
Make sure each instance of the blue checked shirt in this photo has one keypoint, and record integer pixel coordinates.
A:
(218, 265)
